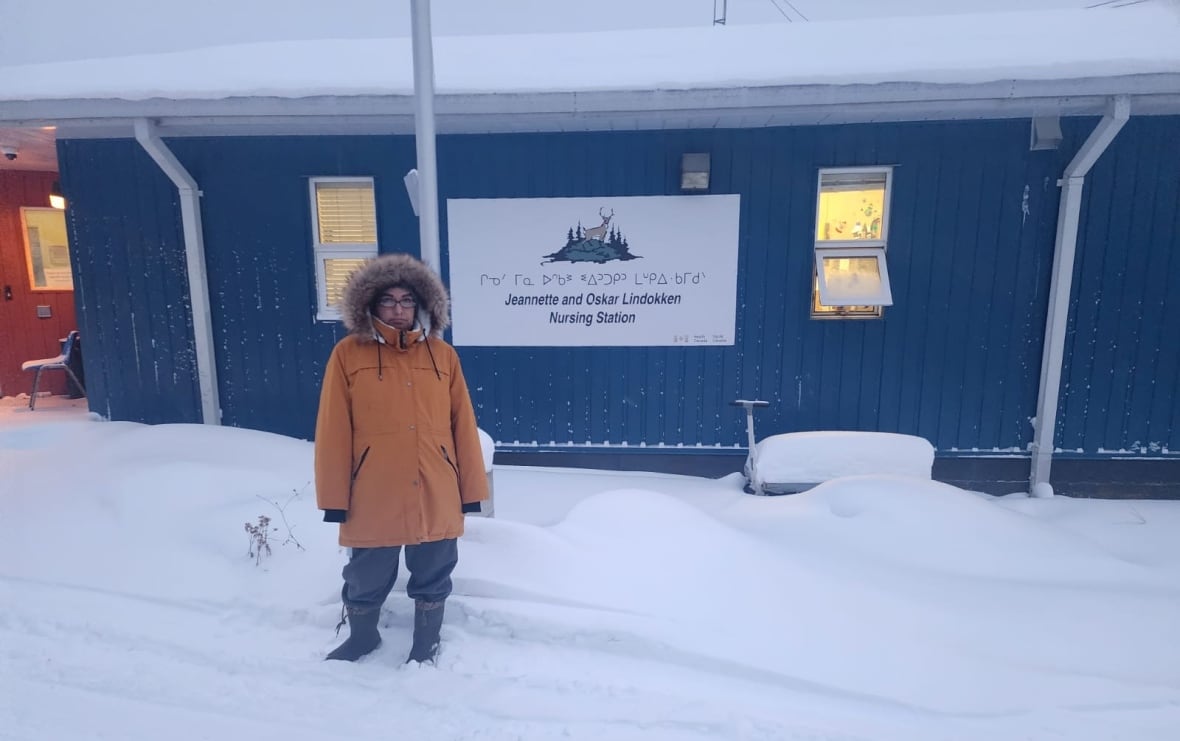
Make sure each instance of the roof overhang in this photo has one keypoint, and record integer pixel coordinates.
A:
(474, 113)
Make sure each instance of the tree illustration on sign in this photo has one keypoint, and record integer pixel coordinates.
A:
(599, 244)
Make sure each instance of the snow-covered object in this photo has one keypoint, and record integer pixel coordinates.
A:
(812, 457)
(1043, 490)
(972, 48)
(489, 449)
(620, 605)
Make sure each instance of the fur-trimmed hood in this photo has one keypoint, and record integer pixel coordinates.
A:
(378, 274)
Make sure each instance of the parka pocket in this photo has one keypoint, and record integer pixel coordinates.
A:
(451, 463)
(458, 486)
(357, 471)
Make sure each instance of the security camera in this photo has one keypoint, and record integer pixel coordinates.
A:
(10, 153)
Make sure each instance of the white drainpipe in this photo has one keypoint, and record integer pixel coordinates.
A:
(1059, 288)
(424, 134)
(194, 249)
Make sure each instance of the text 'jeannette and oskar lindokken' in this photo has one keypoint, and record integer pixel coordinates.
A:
(656, 298)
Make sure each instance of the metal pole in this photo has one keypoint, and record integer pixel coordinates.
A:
(424, 135)
(755, 479)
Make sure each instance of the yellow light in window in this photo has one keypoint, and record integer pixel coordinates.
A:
(851, 207)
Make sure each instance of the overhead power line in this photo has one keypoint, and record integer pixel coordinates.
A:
(782, 12)
(792, 7)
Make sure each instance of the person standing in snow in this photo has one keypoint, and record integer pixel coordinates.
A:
(397, 452)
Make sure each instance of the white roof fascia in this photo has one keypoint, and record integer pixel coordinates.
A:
(1151, 94)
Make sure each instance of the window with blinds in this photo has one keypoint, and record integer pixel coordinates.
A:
(346, 212)
(344, 228)
(336, 272)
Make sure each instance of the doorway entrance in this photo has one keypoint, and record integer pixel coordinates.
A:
(37, 309)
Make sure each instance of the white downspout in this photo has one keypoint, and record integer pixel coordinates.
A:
(1060, 286)
(424, 134)
(194, 249)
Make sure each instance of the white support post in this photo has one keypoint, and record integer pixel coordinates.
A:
(194, 250)
(424, 136)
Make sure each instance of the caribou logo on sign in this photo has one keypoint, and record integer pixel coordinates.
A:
(599, 244)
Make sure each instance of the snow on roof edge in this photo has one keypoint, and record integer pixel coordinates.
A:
(941, 50)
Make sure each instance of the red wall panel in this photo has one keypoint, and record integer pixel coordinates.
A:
(23, 336)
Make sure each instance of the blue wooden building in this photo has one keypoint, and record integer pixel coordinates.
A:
(997, 313)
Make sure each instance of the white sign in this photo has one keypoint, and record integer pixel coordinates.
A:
(47, 249)
(645, 270)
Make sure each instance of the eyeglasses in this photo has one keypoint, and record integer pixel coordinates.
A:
(389, 302)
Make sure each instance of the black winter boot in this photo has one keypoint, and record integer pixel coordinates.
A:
(428, 617)
(362, 636)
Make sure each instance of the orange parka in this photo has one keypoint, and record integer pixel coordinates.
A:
(396, 442)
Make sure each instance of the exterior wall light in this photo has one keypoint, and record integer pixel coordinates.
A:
(56, 199)
(1045, 133)
(694, 171)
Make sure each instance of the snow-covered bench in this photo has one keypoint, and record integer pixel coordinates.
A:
(797, 461)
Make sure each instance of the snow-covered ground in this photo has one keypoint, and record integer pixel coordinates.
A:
(597, 605)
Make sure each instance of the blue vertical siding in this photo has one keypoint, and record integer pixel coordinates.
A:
(959, 249)
(1121, 377)
(131, 286)
(955, 359)
(134, 305)
(258, 237)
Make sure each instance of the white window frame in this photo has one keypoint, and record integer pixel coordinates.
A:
(874, 248)
(321, 251)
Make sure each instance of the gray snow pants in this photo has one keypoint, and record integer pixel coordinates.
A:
(370, 573)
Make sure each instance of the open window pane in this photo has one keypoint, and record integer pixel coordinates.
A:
(336, 272)
(821, 311)
(346, 212)
(852, 278)
(851, 206)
